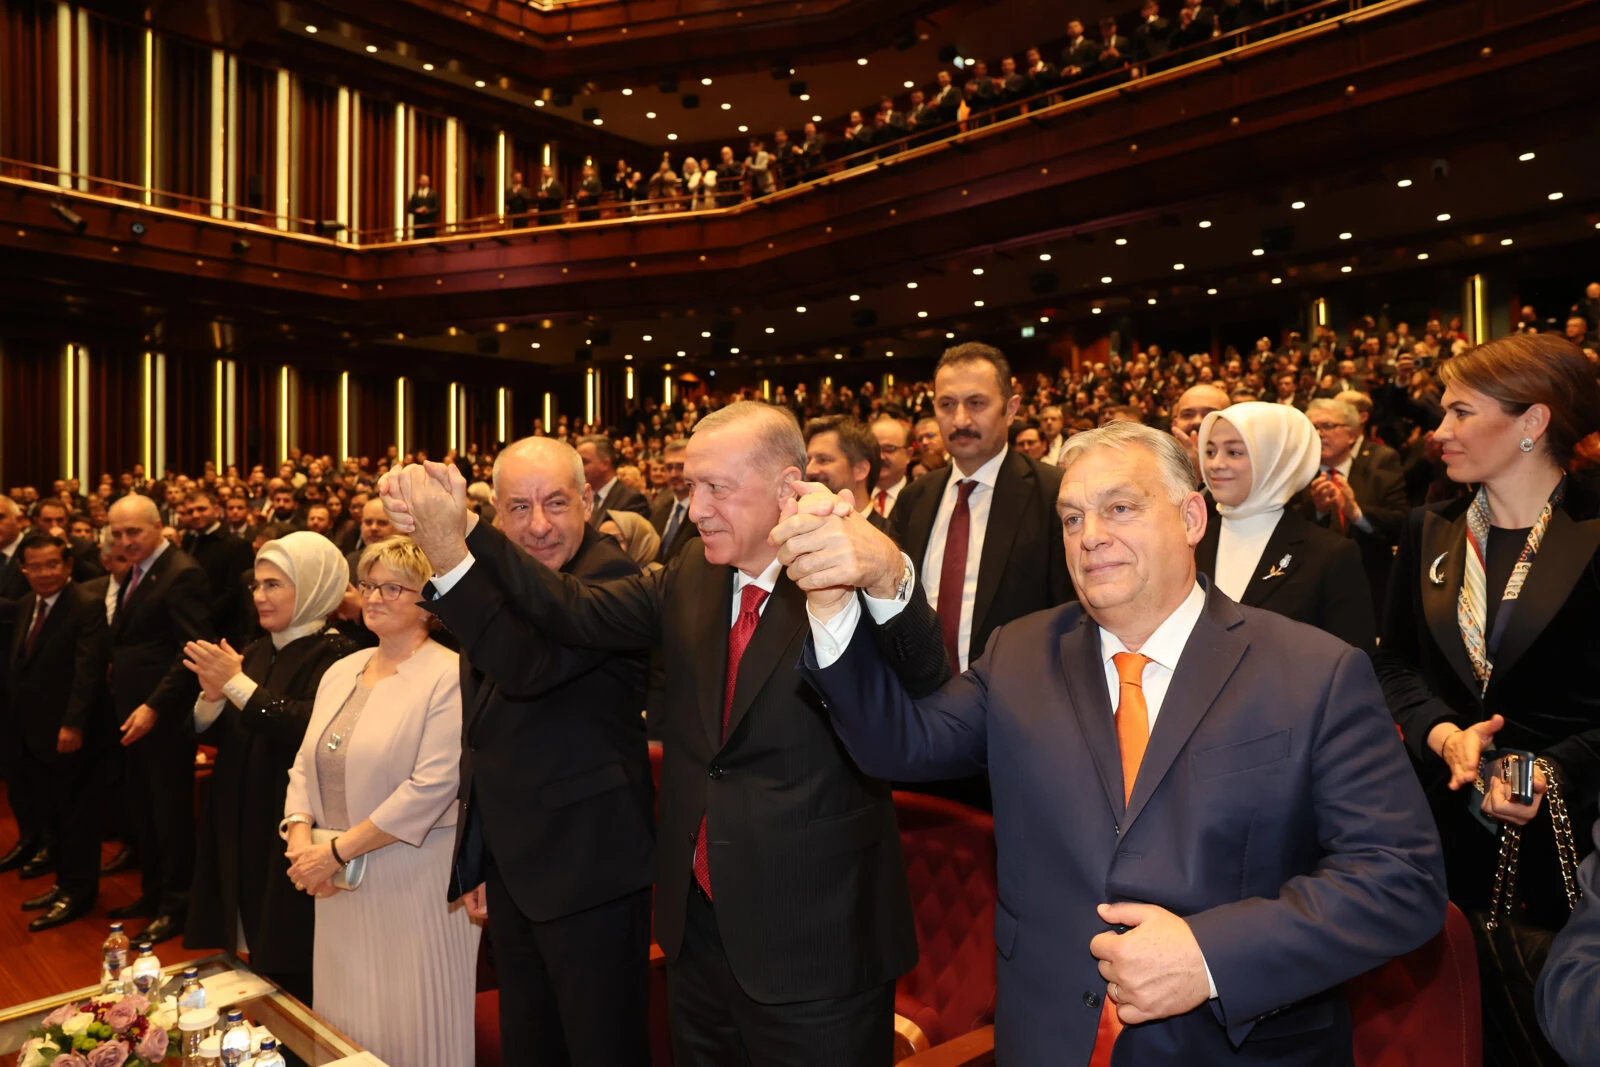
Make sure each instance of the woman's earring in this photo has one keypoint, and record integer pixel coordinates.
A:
(1526, 444)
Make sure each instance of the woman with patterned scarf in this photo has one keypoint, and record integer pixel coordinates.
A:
(1490, 639)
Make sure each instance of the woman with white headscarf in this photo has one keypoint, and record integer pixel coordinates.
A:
(1255, 459)
(254, 706)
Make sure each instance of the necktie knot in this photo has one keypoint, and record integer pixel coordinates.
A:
(1130, 668)
(965, 487)
(751, 599)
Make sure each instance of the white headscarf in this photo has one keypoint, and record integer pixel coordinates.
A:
(1284, 452)
(319, 574)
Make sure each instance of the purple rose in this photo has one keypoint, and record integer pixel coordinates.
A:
(120, 1015)
(71, 1059)
(153, 1047)
(140, 1002)
(110, 1054)
(60, 1015)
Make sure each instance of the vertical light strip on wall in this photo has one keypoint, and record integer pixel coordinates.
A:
(218, 422)
(69, 397)
(448, 193)
(219, 144)
(588, 395)
(82, 473)
(341, 164)
(160, 434)
(502, 402)
(230, 154)
(400, 156)
(149, 125)
(64, 110)
(344, 416)
(666, 390)
(82, 165)
(3, 479)
(500, 175)
(547, 156)
(280, 154)
(455, 426)
(766, 389)
(400, 416)
(230, 441)
(1478, 307)
(355, 168)
(146, 408)
(629, 382)
(549, 422)
(1319, 311)
(283, 413)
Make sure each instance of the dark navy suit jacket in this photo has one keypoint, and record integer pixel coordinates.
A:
(1568, 993)
(1275, 811)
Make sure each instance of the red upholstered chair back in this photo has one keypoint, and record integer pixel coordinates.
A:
(950, 866)
(1422, 1008)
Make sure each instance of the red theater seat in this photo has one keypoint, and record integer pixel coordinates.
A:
(1422, 1008)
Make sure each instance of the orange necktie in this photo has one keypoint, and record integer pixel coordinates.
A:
(1133, 734)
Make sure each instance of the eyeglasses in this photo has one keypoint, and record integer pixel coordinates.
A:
(390, 591)
(889, 450)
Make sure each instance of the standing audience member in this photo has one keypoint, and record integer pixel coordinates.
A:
(393, 963)
(894, 456)
(1355, 494)
(550, 198)
(1489, 638)
(424, 209)
(590, 190)
(841, 453)
(224, 558)
(599, 471)
(670, 512)
(254, 708)
(519, 198)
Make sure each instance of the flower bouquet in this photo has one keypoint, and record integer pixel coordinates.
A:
(114, 1030)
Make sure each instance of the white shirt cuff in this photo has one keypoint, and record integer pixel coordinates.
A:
(884, 610)
(239, 689)
(206, 712)
(443, 583)
(1210, 981)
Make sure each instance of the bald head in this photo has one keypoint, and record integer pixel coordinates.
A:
(135, 527)
(541, 499)
(541, 451)
(1194, 405)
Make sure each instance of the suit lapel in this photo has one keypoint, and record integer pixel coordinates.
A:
(1441, 537)
(1568, 548)
(919, 531)
(713, 610)
(19, 635)
(781, 621)
(1280, 546)
(1013, 485)
(141, 592)
(1209, 658)
(1084, 673)
(52, 621)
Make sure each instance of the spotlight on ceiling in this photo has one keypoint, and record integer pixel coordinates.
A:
(371, 48)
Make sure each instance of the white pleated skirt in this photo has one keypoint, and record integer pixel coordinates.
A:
(395, 966)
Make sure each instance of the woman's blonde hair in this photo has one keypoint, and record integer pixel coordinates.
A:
(401, 555)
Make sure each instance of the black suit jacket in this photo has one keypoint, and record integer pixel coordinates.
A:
(1307, 574)
(424, 209)
(660, 515)
(1380, 488)
(169, 607)
(63, 682)
(555, 774)
(1083, 54)
(623, 497)
(1546, 679)
(224, 557)
(1024, 564)
(804, 850)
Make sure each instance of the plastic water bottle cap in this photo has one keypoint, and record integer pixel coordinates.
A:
(235, 1015)
(192, 972)
(197, 1020)
(116, 928)
(268, 1044)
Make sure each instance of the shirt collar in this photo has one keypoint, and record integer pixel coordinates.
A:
(605, 490)
(150, 561)
(767, 580)
(894, 490)
(50, 601)
(10, 550)
(1165, 646)
(984, 475)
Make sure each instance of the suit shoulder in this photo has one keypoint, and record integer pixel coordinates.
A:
(600, 558)
(1046, 626)
(1285, 640)
(927, 482)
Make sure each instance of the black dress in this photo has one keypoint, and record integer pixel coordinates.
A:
(241, 874)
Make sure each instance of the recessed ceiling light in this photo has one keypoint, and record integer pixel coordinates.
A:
(672, 137)
(911, 85)
(1505, 242)
(734, 350)
(861, 62)
(1177, 266)
(649, 114)
(538, 103)
(536, 344)
(950, 335)
(771, 329)
(628, 355)
(1121, 241)
(1443, 216)
(479, 83)
(372, 48)
(647, 337)
(599, 122)
(705, 81)
(1555, 196)
(855, 296)
(429, 66)
(1152, 300)
(801, 309)
(1346, 269)
(1211, 292)
(977, 270)
(922, 314)
(1524, 158)
(1404, 183)
(1297, 205)
(804, 97)
(727, 107)
(311, 29)
(911, 285)
(1094, 311)
(1044, 318)
(1422, 255)
(816, 118)
(838, 355)
(888, 355)
(1044, 257)
(705, 333)
(1105, 279)
(1205, 224)
(977, 303)
(1346, 235)
(627, 92)
(1258, 251)
(1277, 281)
(744, 129)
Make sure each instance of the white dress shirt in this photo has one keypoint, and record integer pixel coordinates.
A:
(978, 505)
(766, 581)
(601, 493)
(1052, 452)
(891, 494)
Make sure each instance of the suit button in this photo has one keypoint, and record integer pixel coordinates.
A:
(716, 771)
(1091, 999)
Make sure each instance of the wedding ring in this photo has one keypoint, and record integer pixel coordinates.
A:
(1115, 990)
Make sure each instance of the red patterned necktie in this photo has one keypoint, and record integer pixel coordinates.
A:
(883, 501)
(738, 639)
(39, 613)
(953, 572)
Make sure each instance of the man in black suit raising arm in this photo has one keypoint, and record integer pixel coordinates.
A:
(781, 901)
(557, 822)
(1358, 492)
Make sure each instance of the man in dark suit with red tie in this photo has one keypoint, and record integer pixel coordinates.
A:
(982, 531)
(1205, 820)
(780, 897)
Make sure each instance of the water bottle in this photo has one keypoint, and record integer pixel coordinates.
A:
(145, 974)
(193, 995)
(269, 1056)
(114, 956)
(235, 1039)
(195, 1028)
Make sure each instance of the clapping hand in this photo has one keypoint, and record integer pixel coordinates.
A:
(213, 664)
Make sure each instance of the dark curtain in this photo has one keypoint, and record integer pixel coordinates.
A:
(28, 85)
(372, 408)
(190, 412)
(319, 412)
(116, 108)
(256, 167)
(319, 151)
(32, 385)
(478, 175)
(429, 151)
(183, 125)
(376, 221)
(116, 423)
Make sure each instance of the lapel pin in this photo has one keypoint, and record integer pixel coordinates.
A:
(1279, 569)
(1434, 574)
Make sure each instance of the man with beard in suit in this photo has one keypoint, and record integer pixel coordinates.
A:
(225, 558)
(1080, 57)
(162, 604)
(554, 764)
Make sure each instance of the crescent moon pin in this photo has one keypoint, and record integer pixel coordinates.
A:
(1433, 572)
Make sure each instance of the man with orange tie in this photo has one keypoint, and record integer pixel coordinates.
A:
(1205, 820)
(1358, 491)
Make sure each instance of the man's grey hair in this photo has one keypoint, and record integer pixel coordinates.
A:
(779, 443)
(540, 448)
(602, 446)
(137, 506)
(1177, 472)
(1342, 410)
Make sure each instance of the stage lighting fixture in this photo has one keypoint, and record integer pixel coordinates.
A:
(69, 216)
(138, 229)
(240, 246)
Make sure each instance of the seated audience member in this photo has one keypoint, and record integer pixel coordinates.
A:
(1489, 638)
(1568, 991)
(61, 723)
(1256, 458)
(254, 708)
(393, 962)
(1357, 493)
(1167, 910)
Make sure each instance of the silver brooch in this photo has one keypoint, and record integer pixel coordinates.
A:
(1433, 572)
(1279, 569)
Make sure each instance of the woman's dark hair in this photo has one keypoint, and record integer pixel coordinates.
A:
(1525, 369)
